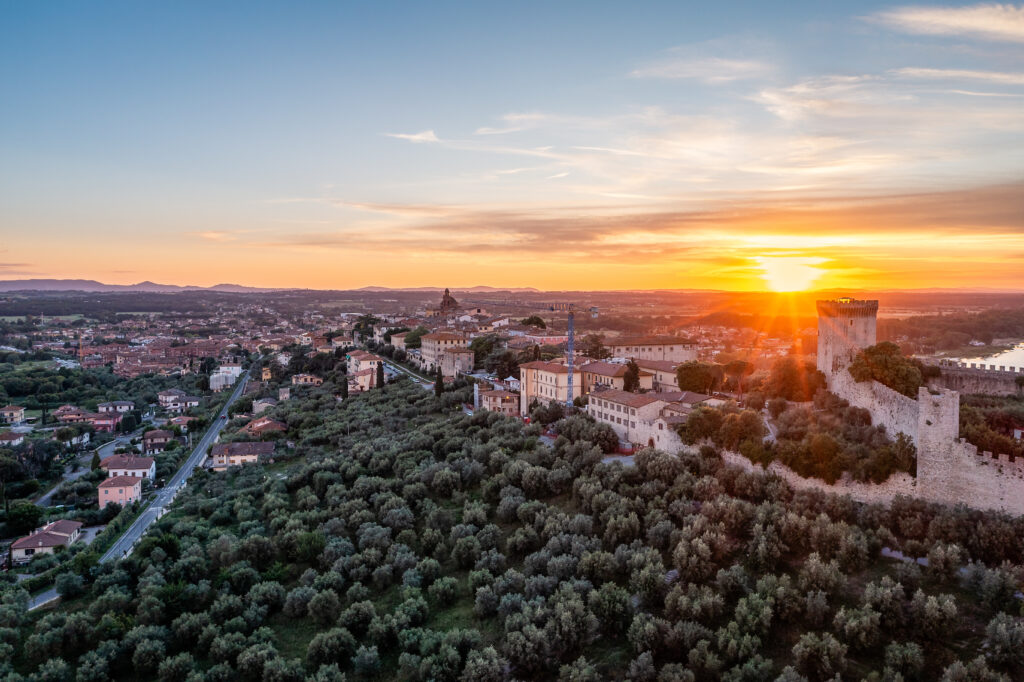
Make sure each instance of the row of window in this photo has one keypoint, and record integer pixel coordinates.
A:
(613, 406)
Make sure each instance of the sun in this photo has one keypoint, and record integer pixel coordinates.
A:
(790, 273)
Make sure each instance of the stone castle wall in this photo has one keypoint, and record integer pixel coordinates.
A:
(897, 412)
(990, 380)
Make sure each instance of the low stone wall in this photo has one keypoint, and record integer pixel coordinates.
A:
(982, 481)
(869, 493)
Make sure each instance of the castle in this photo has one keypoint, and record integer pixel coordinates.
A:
(949, 470)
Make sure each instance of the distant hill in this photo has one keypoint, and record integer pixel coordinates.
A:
(92, 286)
(465, 290)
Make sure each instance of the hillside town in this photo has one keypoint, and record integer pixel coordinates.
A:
(106, 422)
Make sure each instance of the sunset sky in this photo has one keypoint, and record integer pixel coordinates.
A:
(549, 144)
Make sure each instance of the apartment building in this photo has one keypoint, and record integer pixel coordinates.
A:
(432, 346)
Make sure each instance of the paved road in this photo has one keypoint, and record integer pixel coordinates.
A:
(163, 497)
(84, 460)
(427, 385)
(166, 495)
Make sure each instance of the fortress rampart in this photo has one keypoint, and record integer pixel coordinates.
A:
(949, 470)
(979, 378)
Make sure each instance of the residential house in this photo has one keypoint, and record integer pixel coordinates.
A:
(169, 396)
(45, 540)
(12, 414)
(224, 455)
(181, 422)
(545, 382)
(105, 423)
(306, 380)
(455, 361)
(504, 402)
(179, 404)
(653, 348)
(156, 441)
(263, 426)
(121, 406)
(69, 414)
(120, 490)
(398, 340)
(363, 380)
(10, 439)
(358, 360)
(130, 465)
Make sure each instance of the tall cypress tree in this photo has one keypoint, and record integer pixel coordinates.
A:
(344, 388)
(380, 375)
(438, 383)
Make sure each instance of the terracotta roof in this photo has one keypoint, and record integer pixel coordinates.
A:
(221, 449)
(121, 482)
(11, 436)
(127, 462)
(499, 394)
(626, 398)
(64, 526)
(660, 365)
(649, 341)
(548, 367)
(444, 336)
(157, 433)
(606, 369)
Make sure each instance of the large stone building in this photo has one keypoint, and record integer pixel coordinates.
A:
(653, 348)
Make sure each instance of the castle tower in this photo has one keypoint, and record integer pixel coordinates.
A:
(938, 428)
(845, 326)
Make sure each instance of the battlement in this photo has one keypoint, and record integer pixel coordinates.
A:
(847, 307)
(979, 367)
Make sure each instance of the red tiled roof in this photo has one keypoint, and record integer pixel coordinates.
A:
(626, 398)
(262, 448)
(121, 482)
(127, 462)
(649, 341)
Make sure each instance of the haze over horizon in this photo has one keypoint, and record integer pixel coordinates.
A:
(568, 147)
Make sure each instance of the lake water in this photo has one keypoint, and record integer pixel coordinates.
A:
(1009, 358)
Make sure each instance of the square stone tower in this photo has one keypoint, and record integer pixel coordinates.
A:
(845, 326)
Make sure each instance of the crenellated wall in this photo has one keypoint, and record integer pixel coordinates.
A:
(985, 379)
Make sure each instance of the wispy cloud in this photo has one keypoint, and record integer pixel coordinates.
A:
(987, 21)
(215, 235)
(708, 69)
(999, 77)
(424, 136)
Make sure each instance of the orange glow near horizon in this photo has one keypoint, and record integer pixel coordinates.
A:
(790, 273)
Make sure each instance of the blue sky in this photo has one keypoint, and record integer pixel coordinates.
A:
(301, 141)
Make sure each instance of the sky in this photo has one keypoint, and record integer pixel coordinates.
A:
(567, 145)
